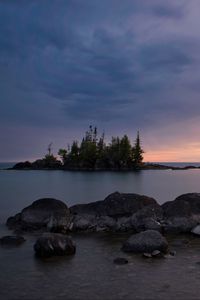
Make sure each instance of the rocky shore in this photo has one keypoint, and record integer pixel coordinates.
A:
(146, 220)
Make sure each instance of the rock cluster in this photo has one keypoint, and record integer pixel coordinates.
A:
(117, 212)
(139, 214)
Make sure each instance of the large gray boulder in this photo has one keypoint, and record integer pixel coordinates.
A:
(146, 242)
(46, 214)
(149, 217)
(182, 214)
(115, 205)
(113, 213)
(54, 244)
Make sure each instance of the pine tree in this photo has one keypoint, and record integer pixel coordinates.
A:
(137, 152)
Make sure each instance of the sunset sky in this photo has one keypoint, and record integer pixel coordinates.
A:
(120, 65)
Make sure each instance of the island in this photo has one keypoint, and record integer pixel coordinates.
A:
(94, 154)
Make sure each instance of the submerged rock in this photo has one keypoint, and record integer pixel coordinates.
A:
(146, 242)
(47, 214)
(54, 244)
(120, 261)
(12, 240)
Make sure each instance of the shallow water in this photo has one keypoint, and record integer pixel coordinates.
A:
(91, 273)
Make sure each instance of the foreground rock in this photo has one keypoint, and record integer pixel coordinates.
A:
(43, 214)
(182, 214)
(118, 212)
(196, 230)
(12, 240)
(146, 242)
(120, 261)
(115, 205)
(54, 244)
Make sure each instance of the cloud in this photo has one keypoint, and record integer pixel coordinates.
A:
(65, 64)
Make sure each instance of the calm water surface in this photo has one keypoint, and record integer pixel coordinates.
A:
(91, 274)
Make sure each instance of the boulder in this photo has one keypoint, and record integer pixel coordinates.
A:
(47, 214)
(83, 222)
(149, 217)
(183, 206)
(54, 244)
(12, 240)
(115, 205)
(146, 242)
(115, 212)
(196, 230)
(182, 214)
(179, 224)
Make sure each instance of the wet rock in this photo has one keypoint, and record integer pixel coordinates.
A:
(196, 230)
(179, 224)
(85, 222)
(149, 217)
(156, 253)
(123, 224)
(146, 242)
(182, 214)
(106, 223)
(115, 213)
(120, 261)
(54, 244)
(12, 240)
(172, 252)
(147, 255)
(115, 205)
(47, 214)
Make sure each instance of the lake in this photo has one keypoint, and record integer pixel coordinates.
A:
(91, 274)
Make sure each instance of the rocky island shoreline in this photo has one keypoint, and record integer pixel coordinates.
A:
(147, 222)
(57, 165)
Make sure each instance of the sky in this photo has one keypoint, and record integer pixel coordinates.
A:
(123, 66)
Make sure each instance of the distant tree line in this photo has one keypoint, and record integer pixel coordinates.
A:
(93, 153)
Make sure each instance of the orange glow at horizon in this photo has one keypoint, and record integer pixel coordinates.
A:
(189, 153)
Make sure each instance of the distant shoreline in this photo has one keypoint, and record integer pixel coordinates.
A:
(26, 166)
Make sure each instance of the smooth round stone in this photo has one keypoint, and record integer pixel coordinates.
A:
(120, 261)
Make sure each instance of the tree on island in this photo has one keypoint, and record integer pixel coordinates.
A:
(137, 152)
(93, 153)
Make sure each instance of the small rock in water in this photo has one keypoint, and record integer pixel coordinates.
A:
(120, 261)
(12, 240)
(196, 230)
(156, 253)
(147, 255)
(54, 244)
(172, 252)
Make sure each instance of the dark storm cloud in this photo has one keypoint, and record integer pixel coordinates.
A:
(76, 62)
